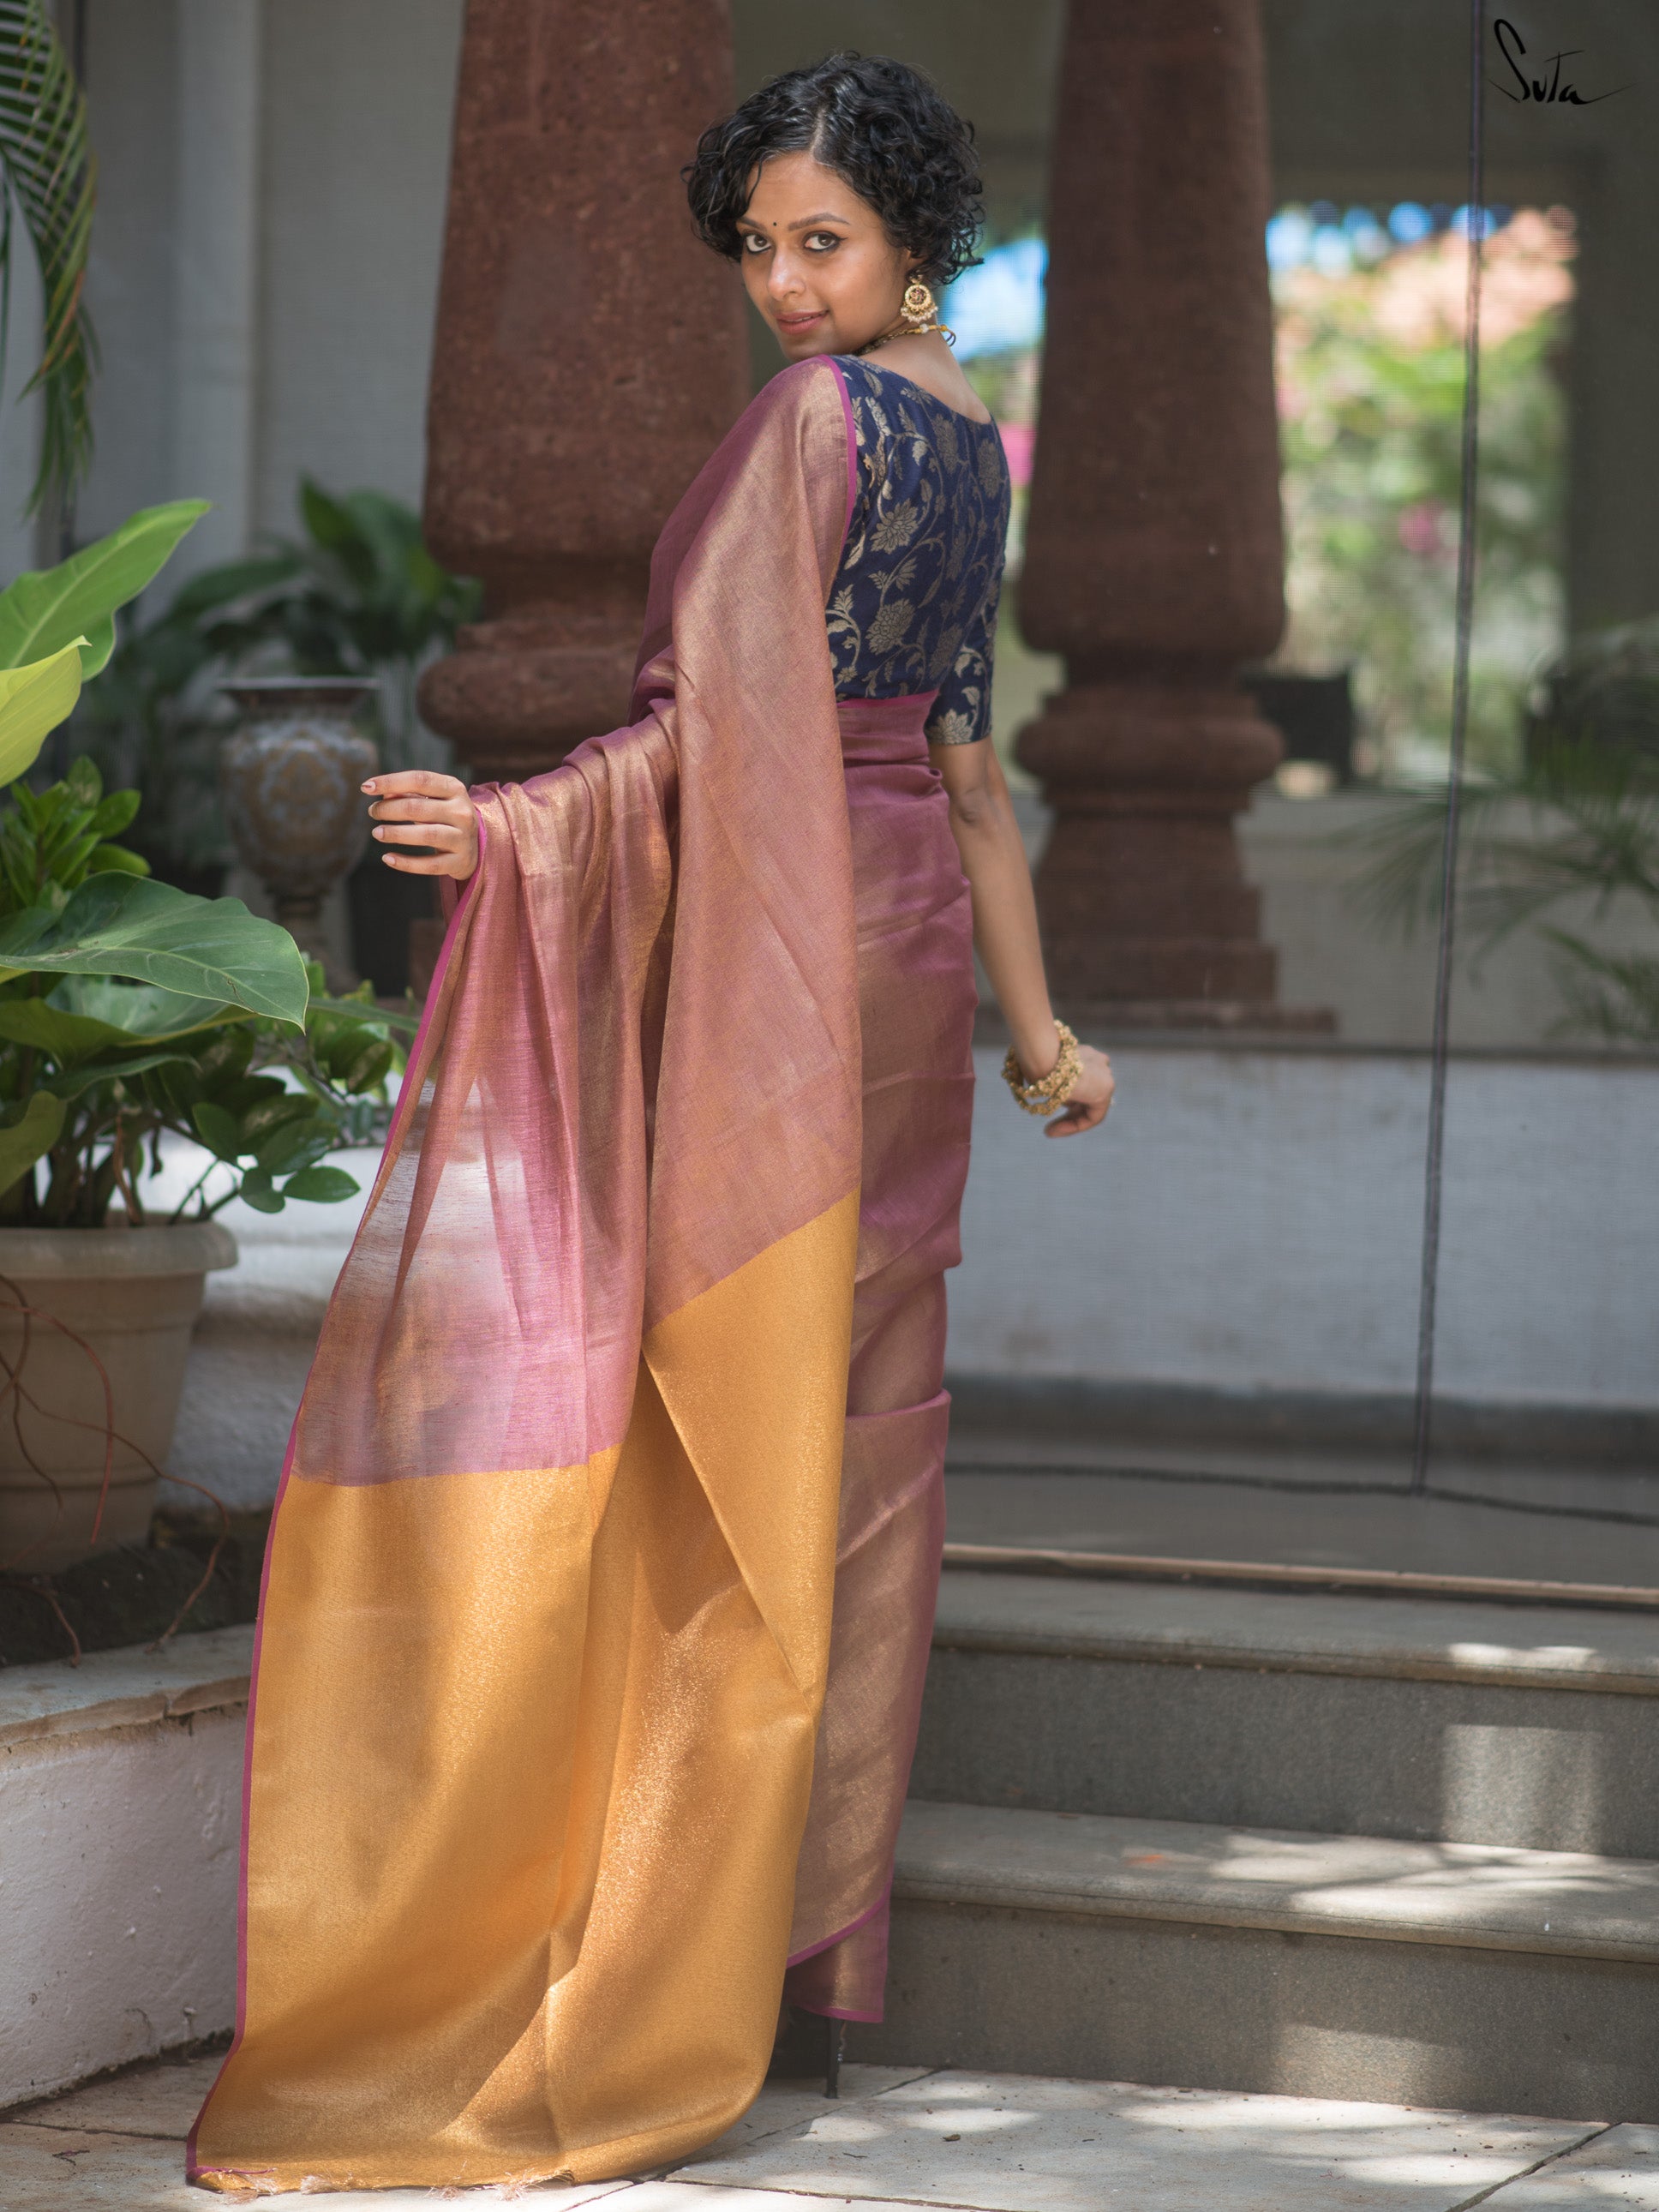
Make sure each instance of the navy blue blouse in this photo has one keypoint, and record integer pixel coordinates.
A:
(913, 606)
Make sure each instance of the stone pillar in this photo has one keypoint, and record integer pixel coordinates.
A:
(589, 356)
(1154, 557)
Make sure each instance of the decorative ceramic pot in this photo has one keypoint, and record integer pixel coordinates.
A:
(290, 776)
(132, 1295)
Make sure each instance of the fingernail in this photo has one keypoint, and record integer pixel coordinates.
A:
(368, 787)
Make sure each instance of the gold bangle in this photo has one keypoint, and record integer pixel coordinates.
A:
(1051, 1091)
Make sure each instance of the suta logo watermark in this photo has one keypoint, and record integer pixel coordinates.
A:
(1546, 91)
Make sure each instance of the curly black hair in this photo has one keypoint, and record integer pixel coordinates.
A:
(882, 126)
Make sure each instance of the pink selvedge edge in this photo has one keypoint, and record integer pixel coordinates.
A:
(813, 1950)
(799, 1958)
(405, 1092)
(852, 450)
(853, 1926)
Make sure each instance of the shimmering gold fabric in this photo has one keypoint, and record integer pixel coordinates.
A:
(537, 1931)
(544, 1640)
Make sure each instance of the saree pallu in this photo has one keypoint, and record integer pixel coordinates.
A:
(546, 1622)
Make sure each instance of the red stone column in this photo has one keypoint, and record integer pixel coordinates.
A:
(589, 355)
(1154, 558)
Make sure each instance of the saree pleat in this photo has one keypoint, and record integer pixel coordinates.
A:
(916, 1003)
(545, 1624)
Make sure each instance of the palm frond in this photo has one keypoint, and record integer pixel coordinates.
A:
(1398, 884)
(1579, 823)
(50, 183)
(1591, 825)
(1615, 996)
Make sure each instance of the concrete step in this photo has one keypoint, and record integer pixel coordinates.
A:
(1504, 1519)
(1414, 1719)
(1223, 1958)
(120, 1807)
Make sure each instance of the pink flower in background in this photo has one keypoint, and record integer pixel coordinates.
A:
(1018, 440)
(1419, 529)
(1421, 295)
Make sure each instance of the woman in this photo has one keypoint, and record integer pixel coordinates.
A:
(600, 1586)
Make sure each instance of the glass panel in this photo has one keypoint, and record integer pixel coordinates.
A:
(1216, 1351)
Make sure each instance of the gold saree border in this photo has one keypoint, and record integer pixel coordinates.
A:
(453, 1977)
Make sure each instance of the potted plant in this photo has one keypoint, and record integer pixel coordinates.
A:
(129, 1011)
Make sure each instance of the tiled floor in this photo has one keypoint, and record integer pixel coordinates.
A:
(986, 2143)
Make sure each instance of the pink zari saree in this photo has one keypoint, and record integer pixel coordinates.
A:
(629, 1394)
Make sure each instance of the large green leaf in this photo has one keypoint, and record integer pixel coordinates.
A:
(296, 1145)
(92, 1072)
(129, 926)
(33, 700)
(366, 1011)
(141, 1010)
(64, 1036)
(219, 1130)
(90, 1014)
(226, 581)
(50, 608)
(31, 1139)
(118, 860)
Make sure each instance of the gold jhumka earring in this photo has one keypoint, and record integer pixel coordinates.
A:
(918, 318)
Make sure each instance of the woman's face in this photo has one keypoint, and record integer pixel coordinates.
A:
(816, 261)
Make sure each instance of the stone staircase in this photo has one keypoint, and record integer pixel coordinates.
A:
(1349, 1847)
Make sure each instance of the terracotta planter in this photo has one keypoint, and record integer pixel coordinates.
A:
(133, 1294)
(290, 778)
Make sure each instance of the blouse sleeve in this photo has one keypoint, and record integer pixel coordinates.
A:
(961, 715)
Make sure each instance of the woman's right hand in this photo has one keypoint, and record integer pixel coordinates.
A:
(1090, 1097)
(415, 806)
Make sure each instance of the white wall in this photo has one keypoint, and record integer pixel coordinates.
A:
(1376, 979)
(1251, 1220)
(132, 89)
(118, 1898)
(357, 104)
(216, 232)
(1380, 981)
(265, 260)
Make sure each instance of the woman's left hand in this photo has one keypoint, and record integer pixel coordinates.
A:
(1090, 1096)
